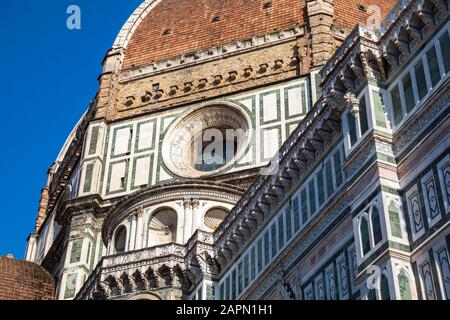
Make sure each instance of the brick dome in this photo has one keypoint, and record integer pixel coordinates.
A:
(162, 29)
(23, 280)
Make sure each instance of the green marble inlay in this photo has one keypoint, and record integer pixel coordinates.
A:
(265, 144)
(88, 178)
(138, 134)
(261, 106)
(71, 283)
(394, 218)
(251, 113)
(125, 178)
(75, 254)
(389, 190)
(404, 286)
(94, 140)
(303, 107)
(380, 113)
(318, 80)
(384, 157)
(133, 176)
(113, 152)
(399, 246)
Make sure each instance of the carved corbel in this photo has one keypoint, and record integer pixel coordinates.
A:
(245, 230)
(278, 190)
(357, 69)
(263, 68)
(232, 245)
(217, 79)
(146, 97)
(129, 101)
(285, 181)
(232, 75)
(308, 151)
(202, 83)
(317, 141)
(402, 46)
(173, 90)
(263, 207)
(247, 71)
(158, 93)
(352, 103)
(347, 81)
(187, 86)
(251, 223)
(300, 161)
(325, 133)
(426, 17)
(258, 214)
(292, 170)
(239, 237)
(414, 31)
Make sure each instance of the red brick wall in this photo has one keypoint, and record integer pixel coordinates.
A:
(22, 280)
(192, 29)
(347, 14)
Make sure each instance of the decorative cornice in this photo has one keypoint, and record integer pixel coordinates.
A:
(211, 54)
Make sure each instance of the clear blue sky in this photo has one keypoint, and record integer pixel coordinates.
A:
(47, 78)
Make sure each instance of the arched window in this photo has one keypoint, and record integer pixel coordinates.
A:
(163, 227)
(214, 217)
(384, 288)
(364, 231)
(404, 285)
(120, 239)
(376, 225)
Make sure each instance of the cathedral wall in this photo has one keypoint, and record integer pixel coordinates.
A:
(124, 156)
(167, 84)
(293, 217)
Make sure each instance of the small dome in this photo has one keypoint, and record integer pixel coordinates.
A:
(24, 280)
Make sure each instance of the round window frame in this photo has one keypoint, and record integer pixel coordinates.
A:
(175, 128)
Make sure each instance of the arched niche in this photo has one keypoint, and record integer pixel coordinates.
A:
(162, 227)
(214, 217)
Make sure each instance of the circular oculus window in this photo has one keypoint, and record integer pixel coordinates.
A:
(207, 140)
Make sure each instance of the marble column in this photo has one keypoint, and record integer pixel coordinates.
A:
(196, 223)
(140, 230)
(132, 241)
(187, 225)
